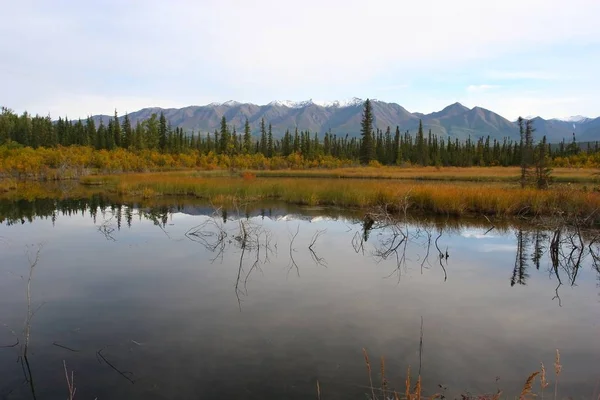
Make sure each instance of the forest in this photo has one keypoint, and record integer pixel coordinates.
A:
(35, 145)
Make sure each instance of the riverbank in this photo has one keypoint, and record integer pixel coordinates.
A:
(453, 198)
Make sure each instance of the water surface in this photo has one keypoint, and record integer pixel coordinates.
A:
(185, 302)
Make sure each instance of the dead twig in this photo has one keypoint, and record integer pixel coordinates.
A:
(65, 347)
(10, 345)
(318, 260)
(122, 373)
(292, 263)
(70, 383)
(442, 256)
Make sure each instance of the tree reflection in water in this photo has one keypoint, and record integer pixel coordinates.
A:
(565, 247)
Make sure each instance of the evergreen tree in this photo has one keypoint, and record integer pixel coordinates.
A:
(367, 149)
(225, 142)
(263, 138)
(101, 136)
(117, 130)
(110, 135)
(127, 133)
(296, 141)
(542, 169)
(162, 132)
(151, 132)
(247, 138)
(270, 142)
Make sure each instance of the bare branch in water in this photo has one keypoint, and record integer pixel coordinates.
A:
(492, 225)
(426, 259)
(107, 229)
(10, 345)
(442, 256)
(122, 373)
(210, 234)
(33, 261)
(249, 240)
(292, 263)
(70, 383)
(64, 347)
(318, 260)
(421, 347)
(358, 243)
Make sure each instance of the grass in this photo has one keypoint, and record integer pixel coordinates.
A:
(385, 391)
(458, 197)
(443, 198)
(476, 174)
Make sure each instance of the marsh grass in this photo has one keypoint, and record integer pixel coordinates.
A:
(454, 199)
(448, 174)
(385, 392)
(442, 198)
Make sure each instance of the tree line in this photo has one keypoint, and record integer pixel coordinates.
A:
(382, 146)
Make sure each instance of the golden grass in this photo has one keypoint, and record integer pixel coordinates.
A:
(369, 372)
(528, 386)
(451, 198)
(543, 382)
(557, 371)
(487, 174)
(416, 393)
(455, 198)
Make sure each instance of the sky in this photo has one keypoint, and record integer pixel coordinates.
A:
(515, 57)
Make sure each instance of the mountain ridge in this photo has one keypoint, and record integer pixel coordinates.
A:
(343, 117)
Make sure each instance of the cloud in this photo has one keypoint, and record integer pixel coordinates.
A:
(522, 75)
(481, 88)
(193, 52)
(544, 103)
(394, 87)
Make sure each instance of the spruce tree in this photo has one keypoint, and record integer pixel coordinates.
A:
(117, 130)
(296, 141)
(225, 137)
(162, 132)
(367, 148)
(542, 169)
(263, 137)
(247, 138)
(127, 132)
(270, 142)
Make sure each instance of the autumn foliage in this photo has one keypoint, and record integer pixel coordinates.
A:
(77, 161)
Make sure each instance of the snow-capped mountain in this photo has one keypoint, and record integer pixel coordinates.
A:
(575, 119)
(343, 117)
(354, 101)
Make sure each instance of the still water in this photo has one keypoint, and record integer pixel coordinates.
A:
(190, 302)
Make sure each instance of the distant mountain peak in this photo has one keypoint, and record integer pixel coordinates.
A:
(354, 101)
(456, 107)
(574, 118)
(344, 116)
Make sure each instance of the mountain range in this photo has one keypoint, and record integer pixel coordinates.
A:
(344, 117)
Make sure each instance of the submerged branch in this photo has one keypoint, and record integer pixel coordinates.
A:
(122, 373)
(318, 260)
(442, 256)
(292, 263)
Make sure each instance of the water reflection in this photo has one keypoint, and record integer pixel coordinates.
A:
(308, 288)
(566, 248)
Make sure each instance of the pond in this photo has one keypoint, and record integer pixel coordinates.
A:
(188, 301)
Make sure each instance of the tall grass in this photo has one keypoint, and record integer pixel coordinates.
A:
(385, 392)
(450, 174)
(444, 198)
(457, 199)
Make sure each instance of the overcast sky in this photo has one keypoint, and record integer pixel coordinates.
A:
(515, 57)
